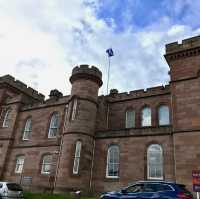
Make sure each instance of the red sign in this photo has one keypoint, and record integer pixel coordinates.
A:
(196, 180)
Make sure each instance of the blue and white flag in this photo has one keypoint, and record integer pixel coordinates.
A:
(110, 52)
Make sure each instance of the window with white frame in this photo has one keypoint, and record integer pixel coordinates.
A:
(130, 119)
(19, 164)
(74, 109)
(46, 164)
(146, 117)
(163, 115)
(7, 118)
(53, 126)
(27, 129)
(112, 169)
(155, 162)
(77, 157)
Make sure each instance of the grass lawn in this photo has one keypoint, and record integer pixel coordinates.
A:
(28, 195)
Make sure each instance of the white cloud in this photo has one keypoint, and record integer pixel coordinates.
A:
(41, 41)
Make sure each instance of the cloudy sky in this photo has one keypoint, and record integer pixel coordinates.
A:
(42, 40)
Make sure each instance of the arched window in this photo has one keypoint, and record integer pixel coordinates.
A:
(7, 118)
(130, 119)
(163, 115)
(146, 116)
(112, 169)
(46, 164)
(19, 164)
(27, 129)
(54, 124)
(155, 162)
(77, 157)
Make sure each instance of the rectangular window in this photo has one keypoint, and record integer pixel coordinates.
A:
(77, 158)
(130, 119)
(146, 117)
(74, 109)
(27, 129)
(66, 116)
(19, 164)
(53, 127)
(46, 164)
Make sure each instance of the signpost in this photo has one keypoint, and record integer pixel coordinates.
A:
(196, 181)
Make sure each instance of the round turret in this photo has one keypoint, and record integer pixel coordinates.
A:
(79, 131)
(86, 82)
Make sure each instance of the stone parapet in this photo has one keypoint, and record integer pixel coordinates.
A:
(11, 81)
(186, 44)
(158, 90)
(86, 72)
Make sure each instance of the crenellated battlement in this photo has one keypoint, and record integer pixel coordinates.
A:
(47, 103)
(8, 79)
(159, 90)
(186, 44)
(86, 72)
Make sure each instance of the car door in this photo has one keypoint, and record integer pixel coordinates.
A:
(133, 191)
(165, 191)
(149, 191)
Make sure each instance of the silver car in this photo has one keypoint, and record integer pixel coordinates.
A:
(10, 190)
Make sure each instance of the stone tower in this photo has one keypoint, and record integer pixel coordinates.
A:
(75, 165)
(184, 63)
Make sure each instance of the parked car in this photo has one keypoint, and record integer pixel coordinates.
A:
(10, 190)
(150, 189)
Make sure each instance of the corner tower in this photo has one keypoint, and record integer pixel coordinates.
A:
(184, 63)
(75, 167)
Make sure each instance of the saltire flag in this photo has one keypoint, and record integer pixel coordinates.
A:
(110, 52)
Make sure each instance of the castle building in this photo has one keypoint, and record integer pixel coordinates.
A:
(99, 143)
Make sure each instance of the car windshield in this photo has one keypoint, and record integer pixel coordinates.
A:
(14, 187)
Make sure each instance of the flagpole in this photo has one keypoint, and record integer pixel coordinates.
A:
(108, 78)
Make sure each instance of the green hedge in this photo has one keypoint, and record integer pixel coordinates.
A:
(46, 196)
(28, 195)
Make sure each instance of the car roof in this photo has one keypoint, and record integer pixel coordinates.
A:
(153, 181)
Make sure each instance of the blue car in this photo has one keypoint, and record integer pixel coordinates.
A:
(151, 189)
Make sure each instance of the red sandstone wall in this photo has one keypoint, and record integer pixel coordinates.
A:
(132, 160)
(187, 151)
(117, 111)
(34, 149)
